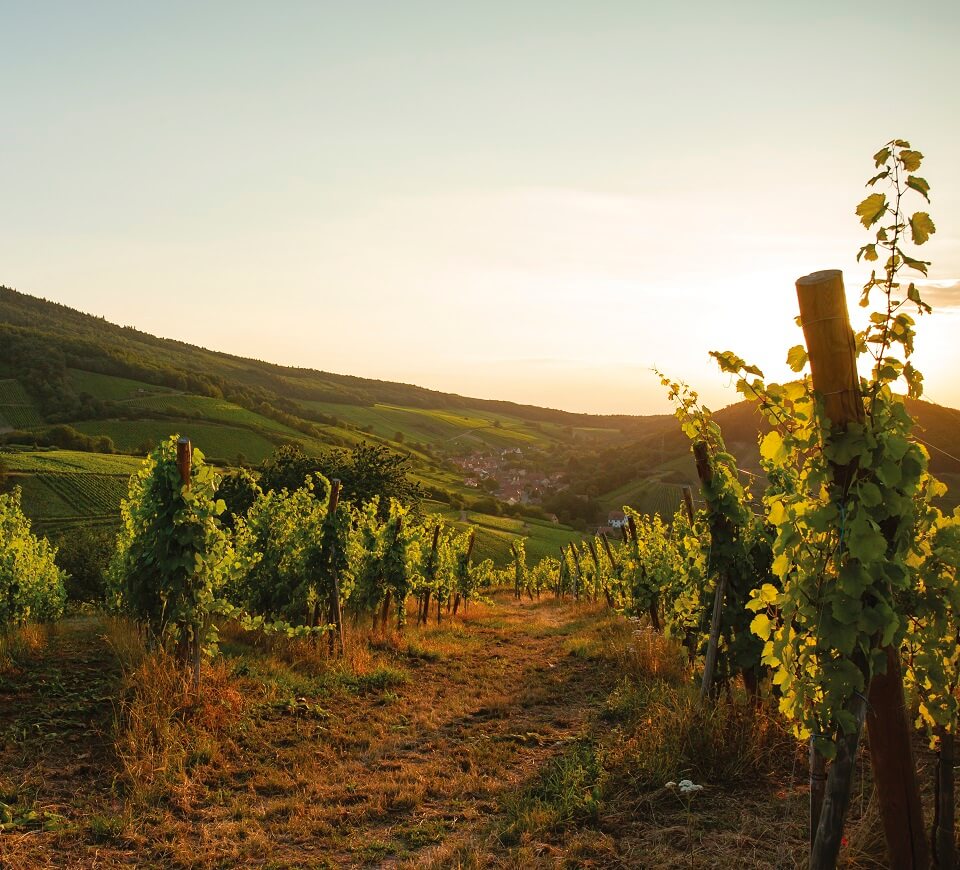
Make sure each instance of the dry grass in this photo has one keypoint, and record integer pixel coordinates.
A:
(165, 730)
(21, 642)
(523, 735)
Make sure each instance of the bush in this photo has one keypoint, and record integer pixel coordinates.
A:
(31, 584)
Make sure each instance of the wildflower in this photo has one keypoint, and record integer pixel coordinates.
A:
(687, 786)
(670, 784)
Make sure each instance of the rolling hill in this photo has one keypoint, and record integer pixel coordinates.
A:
(60, 367)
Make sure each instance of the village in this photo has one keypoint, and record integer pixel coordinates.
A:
(512, 478)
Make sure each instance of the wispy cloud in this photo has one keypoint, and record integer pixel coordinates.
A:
(943, 293)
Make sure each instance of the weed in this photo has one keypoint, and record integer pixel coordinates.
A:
(104, 828)
(568, 791)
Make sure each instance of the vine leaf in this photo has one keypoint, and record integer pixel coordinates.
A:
(911, 160)
(797, 357)
(921, 227)
(914, 182)
(872, 209)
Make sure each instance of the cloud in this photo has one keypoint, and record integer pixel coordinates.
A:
(942, 293)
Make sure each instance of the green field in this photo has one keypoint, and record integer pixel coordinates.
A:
(216, 442)
(110, 388)
(17, 409)
(495, 535)
(646, 496)
(456, 429)
(90, 494)
(205, 408)
(70, 461)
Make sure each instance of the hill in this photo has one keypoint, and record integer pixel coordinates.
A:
(119, 389)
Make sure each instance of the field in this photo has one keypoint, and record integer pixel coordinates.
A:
(216, 441)
(648, 495)
(17, 409)
(508, 738)
(541, 537)
(110, 387)
(64, 488)
(70, 461)
(204, 408)
(458, 430)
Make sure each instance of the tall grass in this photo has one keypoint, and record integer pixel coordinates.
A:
(163, 729)
(20, 642)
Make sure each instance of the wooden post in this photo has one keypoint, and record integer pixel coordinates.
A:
(185, 467)
(705, 472)
(424, 610)
(943, 823)
(894, 767)
(836, 800)
(818, 785)
(337, 608)
(576, 561)
(606, 546)
(184, 460)
(632, 526)
(688, 502)
(833, 364)
(561, 589)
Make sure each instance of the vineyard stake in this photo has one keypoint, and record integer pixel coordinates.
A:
(832, 352)
(705, 472)
(688, 502)
(184, 466)
(943, 823)
(337, 607)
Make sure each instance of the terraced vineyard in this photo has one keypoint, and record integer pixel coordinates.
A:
(110, 387)
(17, 409)
(216, 441)
(90, 494)
(205, 408)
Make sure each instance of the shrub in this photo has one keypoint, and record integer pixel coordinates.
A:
(31, 584)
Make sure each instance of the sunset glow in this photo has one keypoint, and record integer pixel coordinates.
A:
(537, 204)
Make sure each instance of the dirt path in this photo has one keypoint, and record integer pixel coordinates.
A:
(401, 764)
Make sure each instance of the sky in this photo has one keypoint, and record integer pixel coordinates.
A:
(533, 200)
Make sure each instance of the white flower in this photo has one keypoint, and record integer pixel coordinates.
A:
(670, 784)
(686, 786)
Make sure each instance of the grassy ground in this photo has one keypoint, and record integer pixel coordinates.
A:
(531, 734)
(216, 441)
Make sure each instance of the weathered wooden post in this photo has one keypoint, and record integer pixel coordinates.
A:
(688, 502)
(705, 473)
(185, 467)
(423, 611)
(944, 810)
(336, 608)
(466, 598)
(576, 561)
(832, 352)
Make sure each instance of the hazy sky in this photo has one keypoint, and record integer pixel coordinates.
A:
(527, 200)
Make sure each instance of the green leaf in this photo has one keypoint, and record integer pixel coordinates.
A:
(797, 357)
(872, 209)
(772, 447)
(920, 185)
(868, 252)
(921, 227)
(911, 160)
(916, 265)
(881, 157)
(864, 540)
(761, 626)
